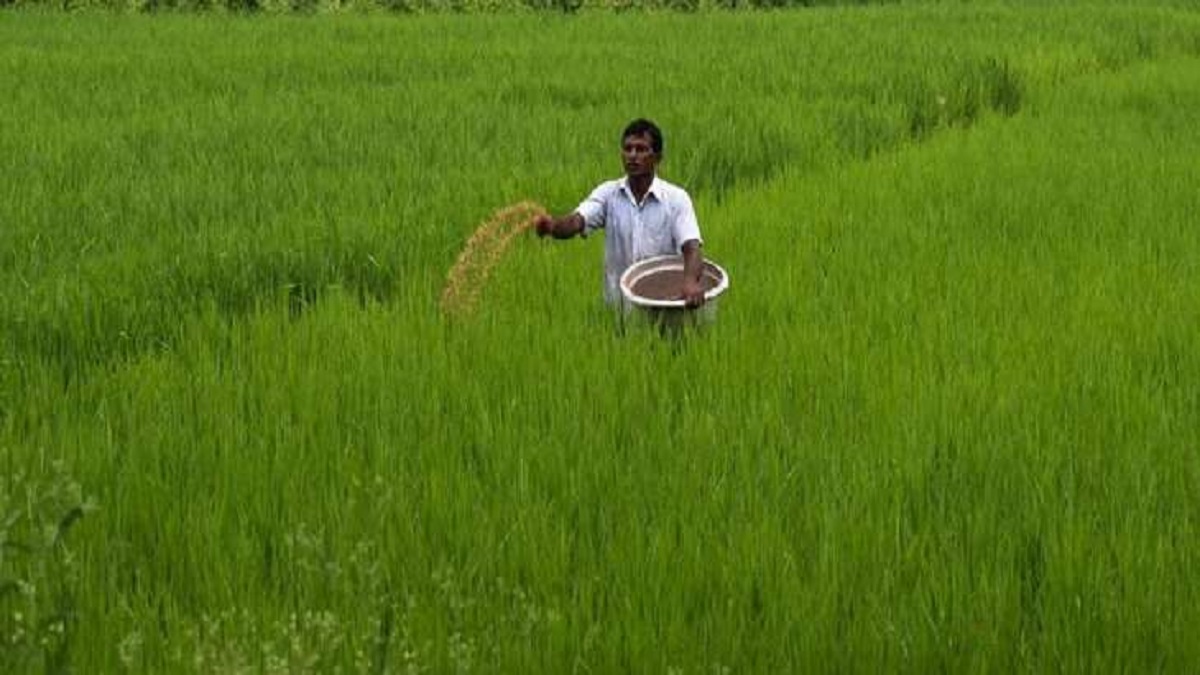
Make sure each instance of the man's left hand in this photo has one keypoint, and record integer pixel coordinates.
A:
(693, 294)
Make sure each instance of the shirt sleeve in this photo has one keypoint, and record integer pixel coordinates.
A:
(684, 227)
(592, 209)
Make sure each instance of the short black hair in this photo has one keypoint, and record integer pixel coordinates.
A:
(644, 127)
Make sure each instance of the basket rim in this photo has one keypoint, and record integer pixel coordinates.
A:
(635, 272)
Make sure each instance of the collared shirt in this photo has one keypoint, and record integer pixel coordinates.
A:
(659, 225)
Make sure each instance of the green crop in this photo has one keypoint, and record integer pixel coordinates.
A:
(945, 420)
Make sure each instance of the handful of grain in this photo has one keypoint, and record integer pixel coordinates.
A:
(482, 252)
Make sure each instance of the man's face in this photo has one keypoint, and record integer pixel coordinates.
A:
(638, 155)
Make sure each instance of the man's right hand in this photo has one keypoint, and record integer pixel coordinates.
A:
(559, 228)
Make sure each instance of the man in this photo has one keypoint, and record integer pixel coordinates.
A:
(642, 216)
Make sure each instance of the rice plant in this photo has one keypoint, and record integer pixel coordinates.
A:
(946, 418)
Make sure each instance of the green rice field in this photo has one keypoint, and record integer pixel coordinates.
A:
(947, 418)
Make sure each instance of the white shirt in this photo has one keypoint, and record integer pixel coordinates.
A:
(659, 225)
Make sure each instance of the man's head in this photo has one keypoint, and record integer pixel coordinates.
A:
(641, 147)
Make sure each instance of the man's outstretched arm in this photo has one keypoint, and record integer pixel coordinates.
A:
(563, 227)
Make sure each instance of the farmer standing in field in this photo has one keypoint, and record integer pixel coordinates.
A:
(642, 216)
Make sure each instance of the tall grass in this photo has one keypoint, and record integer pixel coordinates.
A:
(946, 418)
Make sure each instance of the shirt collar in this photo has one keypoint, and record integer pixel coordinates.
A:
(655, 189)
